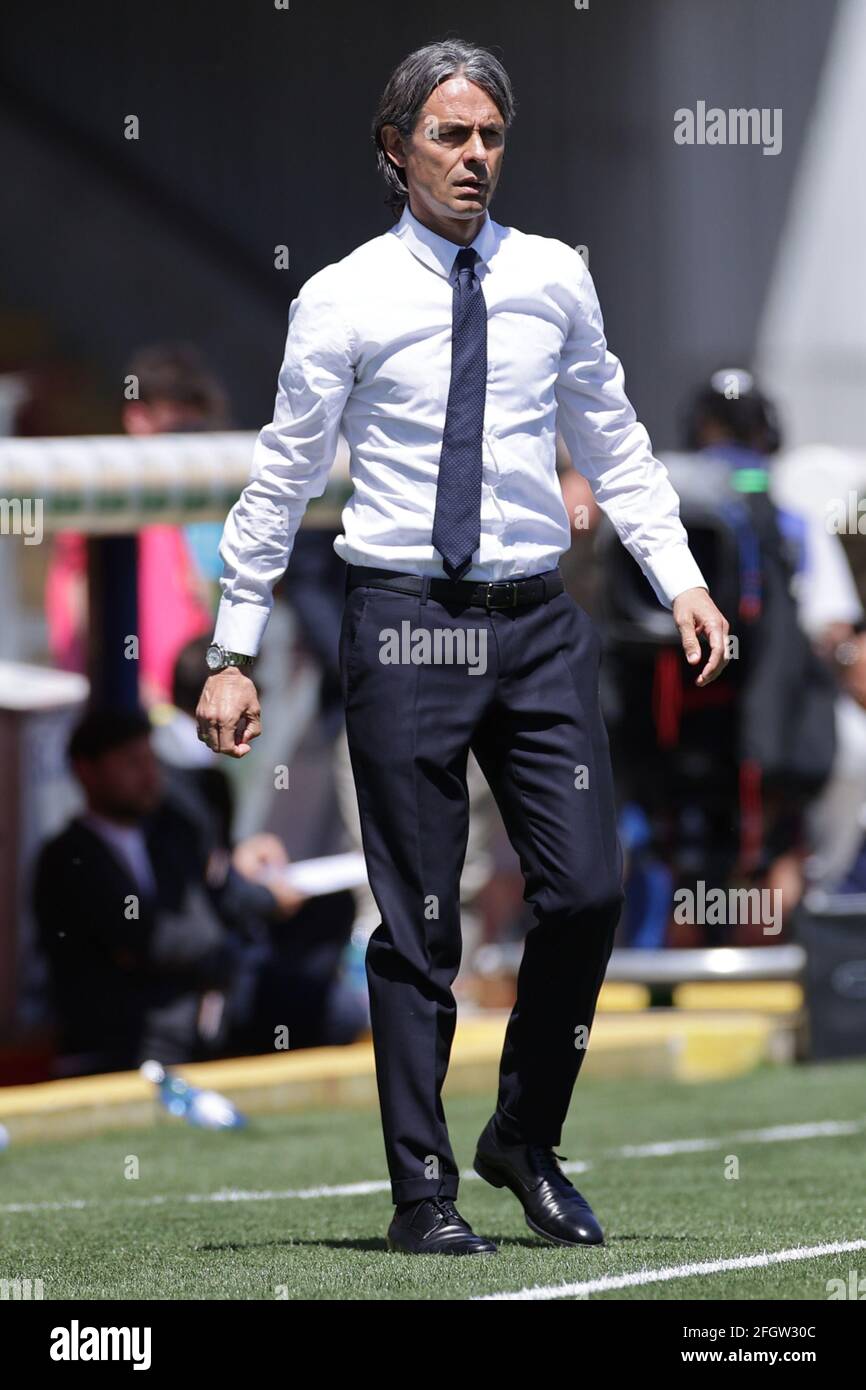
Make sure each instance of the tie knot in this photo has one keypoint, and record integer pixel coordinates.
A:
(465, 259)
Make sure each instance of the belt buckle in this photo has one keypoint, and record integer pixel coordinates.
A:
(510, 602)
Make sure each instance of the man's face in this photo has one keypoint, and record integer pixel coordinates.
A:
(124, 782)
(453, 159)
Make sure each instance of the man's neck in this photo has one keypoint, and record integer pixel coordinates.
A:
(456, 229)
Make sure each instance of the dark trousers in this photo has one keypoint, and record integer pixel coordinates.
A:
(525, 700)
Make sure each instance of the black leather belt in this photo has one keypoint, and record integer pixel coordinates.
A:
(471, 593)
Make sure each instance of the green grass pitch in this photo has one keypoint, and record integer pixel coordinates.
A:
(70, 1217)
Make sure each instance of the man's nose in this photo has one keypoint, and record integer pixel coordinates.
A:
(475, 150)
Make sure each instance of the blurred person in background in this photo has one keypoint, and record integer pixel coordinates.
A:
(130, 913)
(174, 393)
(744, 760)
(158, 945)
(838, 819)
(731, 418)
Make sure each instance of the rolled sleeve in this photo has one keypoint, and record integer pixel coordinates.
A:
(612, 449)
(291, 462)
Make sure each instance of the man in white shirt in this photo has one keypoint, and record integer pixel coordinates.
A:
(448, 350)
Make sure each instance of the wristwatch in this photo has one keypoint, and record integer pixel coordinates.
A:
(218, 658)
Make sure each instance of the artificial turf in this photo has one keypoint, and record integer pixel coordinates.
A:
(161, 1235)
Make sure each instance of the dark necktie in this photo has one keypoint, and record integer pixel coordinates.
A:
(457, 520)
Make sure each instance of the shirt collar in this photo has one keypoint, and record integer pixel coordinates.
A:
(110, 828)
(438, 252)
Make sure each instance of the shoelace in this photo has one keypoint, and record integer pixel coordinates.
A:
(545, 1160)
(445, 1205)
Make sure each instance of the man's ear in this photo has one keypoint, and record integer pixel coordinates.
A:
(392, 141)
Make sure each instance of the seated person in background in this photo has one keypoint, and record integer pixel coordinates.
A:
(147, 926)
(128, 908)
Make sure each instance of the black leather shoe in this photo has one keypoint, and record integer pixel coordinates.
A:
(554, 1209)
(434, 1226)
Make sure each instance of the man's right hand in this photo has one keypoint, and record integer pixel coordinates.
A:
(228, 713)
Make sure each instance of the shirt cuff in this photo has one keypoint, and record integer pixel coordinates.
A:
(241, 626)
(671, 572)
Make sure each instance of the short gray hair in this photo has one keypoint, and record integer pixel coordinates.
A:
(411, 83)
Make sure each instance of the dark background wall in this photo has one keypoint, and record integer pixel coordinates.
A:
(254, 131)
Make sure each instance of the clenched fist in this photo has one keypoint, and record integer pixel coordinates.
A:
(228, 713)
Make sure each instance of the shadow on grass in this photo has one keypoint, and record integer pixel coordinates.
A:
(504, 1242)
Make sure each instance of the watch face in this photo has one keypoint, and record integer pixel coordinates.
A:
(214, 658)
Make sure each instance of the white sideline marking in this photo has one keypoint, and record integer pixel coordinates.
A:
(228, 1194)
(347, 1189)
(12, 1207)
(658, 1276)
(821, 1129)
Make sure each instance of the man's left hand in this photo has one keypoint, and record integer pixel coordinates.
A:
(696, 615)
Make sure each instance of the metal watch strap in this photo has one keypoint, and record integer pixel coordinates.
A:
(242, 660)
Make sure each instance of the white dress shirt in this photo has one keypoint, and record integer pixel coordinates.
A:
(369, 352)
